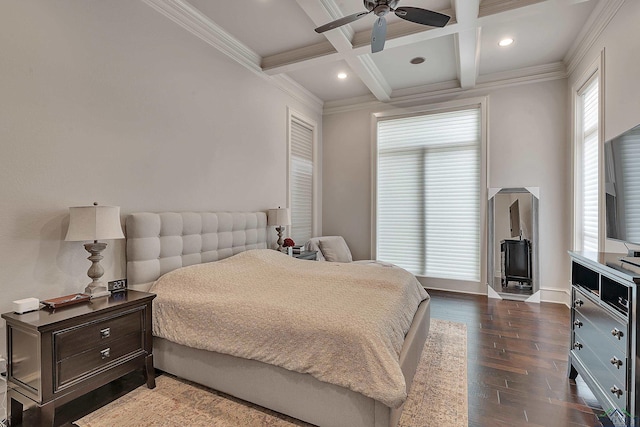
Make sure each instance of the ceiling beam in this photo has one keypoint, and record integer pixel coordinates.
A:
(323, 11)
(468, 42)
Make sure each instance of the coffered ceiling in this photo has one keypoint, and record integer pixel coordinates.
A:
(276, 39)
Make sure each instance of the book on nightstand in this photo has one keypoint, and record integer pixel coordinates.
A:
(298, 249)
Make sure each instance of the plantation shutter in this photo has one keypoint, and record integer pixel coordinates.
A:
(428, 194)
(301, 181)
(590, 190)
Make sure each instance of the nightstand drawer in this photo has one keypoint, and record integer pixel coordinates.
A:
(85, 363)
(101, 333)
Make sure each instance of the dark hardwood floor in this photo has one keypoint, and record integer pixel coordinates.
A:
(517, 366)
(517, 363)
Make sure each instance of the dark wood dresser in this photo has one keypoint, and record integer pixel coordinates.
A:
(604, 345)
(55, 356)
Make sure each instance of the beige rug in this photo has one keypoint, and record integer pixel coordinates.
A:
(438, 396)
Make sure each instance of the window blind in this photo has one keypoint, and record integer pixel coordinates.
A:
(301, 181)
(428, 194)
(630, 157)
(590, 191)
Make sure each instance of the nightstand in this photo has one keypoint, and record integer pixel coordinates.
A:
(312, 255)
(55, 356)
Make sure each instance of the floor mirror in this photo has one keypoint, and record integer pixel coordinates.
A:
(512, 252)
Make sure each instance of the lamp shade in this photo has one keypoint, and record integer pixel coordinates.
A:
(279, 217)
(94, 223)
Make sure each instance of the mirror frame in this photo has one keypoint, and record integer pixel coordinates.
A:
(535, 282)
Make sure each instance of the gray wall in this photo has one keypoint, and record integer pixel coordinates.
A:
(110, 101)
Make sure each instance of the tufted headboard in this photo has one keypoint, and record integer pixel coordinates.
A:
(160, 242)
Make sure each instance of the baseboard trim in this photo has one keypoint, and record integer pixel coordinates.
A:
(557, 296)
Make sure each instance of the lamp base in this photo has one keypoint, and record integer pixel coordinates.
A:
(280, 229)
(96, 290)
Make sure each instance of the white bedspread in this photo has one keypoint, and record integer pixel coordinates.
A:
(341, 323)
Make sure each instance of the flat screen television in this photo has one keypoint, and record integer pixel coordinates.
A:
(622, 186)
(514, 218)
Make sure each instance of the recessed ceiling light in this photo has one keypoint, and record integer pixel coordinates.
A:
(417, 60)
(505, 42)
(342, 76)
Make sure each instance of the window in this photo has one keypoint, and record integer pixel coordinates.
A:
(428, 193)
(588, 154)
(301, 177)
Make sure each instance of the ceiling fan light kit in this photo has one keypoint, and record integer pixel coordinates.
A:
(380, 8)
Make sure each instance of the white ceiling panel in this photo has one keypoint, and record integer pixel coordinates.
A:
(539, 39)
(439, 65)
(266, 26)
(323, 82)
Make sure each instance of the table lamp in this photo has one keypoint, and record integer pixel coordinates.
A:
(94, 223)
(279, 218)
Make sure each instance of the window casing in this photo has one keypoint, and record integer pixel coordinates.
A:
(428, 193)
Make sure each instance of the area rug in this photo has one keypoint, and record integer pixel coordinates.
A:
(438, 395)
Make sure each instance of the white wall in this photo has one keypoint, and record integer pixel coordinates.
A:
(109, 101)
(527, 148)
(620, 42)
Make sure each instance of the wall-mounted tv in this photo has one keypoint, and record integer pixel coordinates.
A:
(622, 186)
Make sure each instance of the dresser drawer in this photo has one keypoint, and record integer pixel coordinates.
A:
(610, 356)
(602, 320)
(73, 341)
(93, 359)
(603, 377)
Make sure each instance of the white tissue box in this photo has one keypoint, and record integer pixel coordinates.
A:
(25, 305)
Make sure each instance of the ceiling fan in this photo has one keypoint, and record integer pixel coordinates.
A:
(380, 8)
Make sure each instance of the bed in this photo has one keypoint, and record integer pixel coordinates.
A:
(159, 243)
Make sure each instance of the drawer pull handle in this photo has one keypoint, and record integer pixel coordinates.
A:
(105, 333)
(105, 354)
(617, 333)
(577, 324)
(615, 361)
(615, 390)
(577, 345)
(578, 302)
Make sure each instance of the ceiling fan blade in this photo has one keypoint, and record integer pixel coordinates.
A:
(379, 34)
(422, 16)
(340, 22)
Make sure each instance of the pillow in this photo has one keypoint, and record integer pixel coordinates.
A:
(335, 249)
(314, 245)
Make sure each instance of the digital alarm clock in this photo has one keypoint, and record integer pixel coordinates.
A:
(117, 285)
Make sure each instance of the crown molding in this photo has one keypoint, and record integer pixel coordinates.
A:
(599, 19)
(198, 24)
(430, 93)
(532, 74)
(493, 7)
